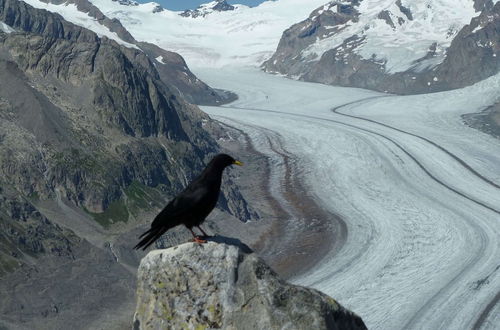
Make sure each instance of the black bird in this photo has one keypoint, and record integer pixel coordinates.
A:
(192, 205)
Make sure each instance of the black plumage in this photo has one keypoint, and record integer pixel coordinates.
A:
(192, 205)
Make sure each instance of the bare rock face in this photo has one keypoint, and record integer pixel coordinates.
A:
(93, 137)
(220, 286)
(173, 70)
(474, 54)
(92, 117)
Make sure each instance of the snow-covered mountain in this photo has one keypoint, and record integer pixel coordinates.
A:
(208, 8)
(243, 36)
(398, 46)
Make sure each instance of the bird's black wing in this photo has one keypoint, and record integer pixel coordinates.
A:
(172, 215)
(181, 205)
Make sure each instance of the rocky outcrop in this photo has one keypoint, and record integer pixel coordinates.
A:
(208, 8)
(220, 286)
(25, 233)
(487, 121)
(319, 49)
(172, 68)
(474, 53)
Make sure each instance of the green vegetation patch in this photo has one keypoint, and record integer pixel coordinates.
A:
(116, 212)
(34, 196)
(141, 197)
(7, 264)
(138, 197)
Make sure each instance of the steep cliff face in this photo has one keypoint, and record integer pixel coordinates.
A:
(221, 286)
(94, 117)
(405, 48)
(171, 67)
(25, 233)
(92, 137)
(87, 105)
(474, 54)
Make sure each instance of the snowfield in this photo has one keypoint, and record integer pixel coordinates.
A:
(242, 36)
(70, 13)
(419, 191)
(432, 22)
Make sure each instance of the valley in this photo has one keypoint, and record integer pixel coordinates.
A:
(389, 203)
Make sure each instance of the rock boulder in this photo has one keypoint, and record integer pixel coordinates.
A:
(221, 286)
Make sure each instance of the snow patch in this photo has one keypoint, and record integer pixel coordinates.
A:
(160, 59)
(6, 28)
(71, 14)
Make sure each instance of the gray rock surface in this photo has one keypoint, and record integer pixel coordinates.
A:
(91, 118)
(172, 69)
(471, 57)
(219, 286)
(487, 121)
(474, 53)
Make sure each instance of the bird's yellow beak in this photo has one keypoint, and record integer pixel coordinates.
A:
(237, 162)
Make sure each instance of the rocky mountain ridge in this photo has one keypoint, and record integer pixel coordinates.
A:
(405, 48)
(92, 139)
(171, 66)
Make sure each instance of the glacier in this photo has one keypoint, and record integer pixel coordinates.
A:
(419, 191)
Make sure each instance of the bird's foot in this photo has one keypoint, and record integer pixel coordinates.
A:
(198, 239)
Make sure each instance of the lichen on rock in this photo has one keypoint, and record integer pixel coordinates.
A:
(219, 286)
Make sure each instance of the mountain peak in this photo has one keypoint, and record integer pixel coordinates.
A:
(208, 8)
(127, 2)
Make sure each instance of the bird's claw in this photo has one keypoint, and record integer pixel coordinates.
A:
(198, 239)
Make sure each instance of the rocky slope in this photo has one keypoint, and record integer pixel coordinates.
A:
(220, 286)
(393, 46)
(93, 137)
(171, 67)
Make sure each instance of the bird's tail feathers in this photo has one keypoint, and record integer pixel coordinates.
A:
(150, 236)
(146, 232)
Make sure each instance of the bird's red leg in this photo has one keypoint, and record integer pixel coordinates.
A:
(204, 234)
(196, 238)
